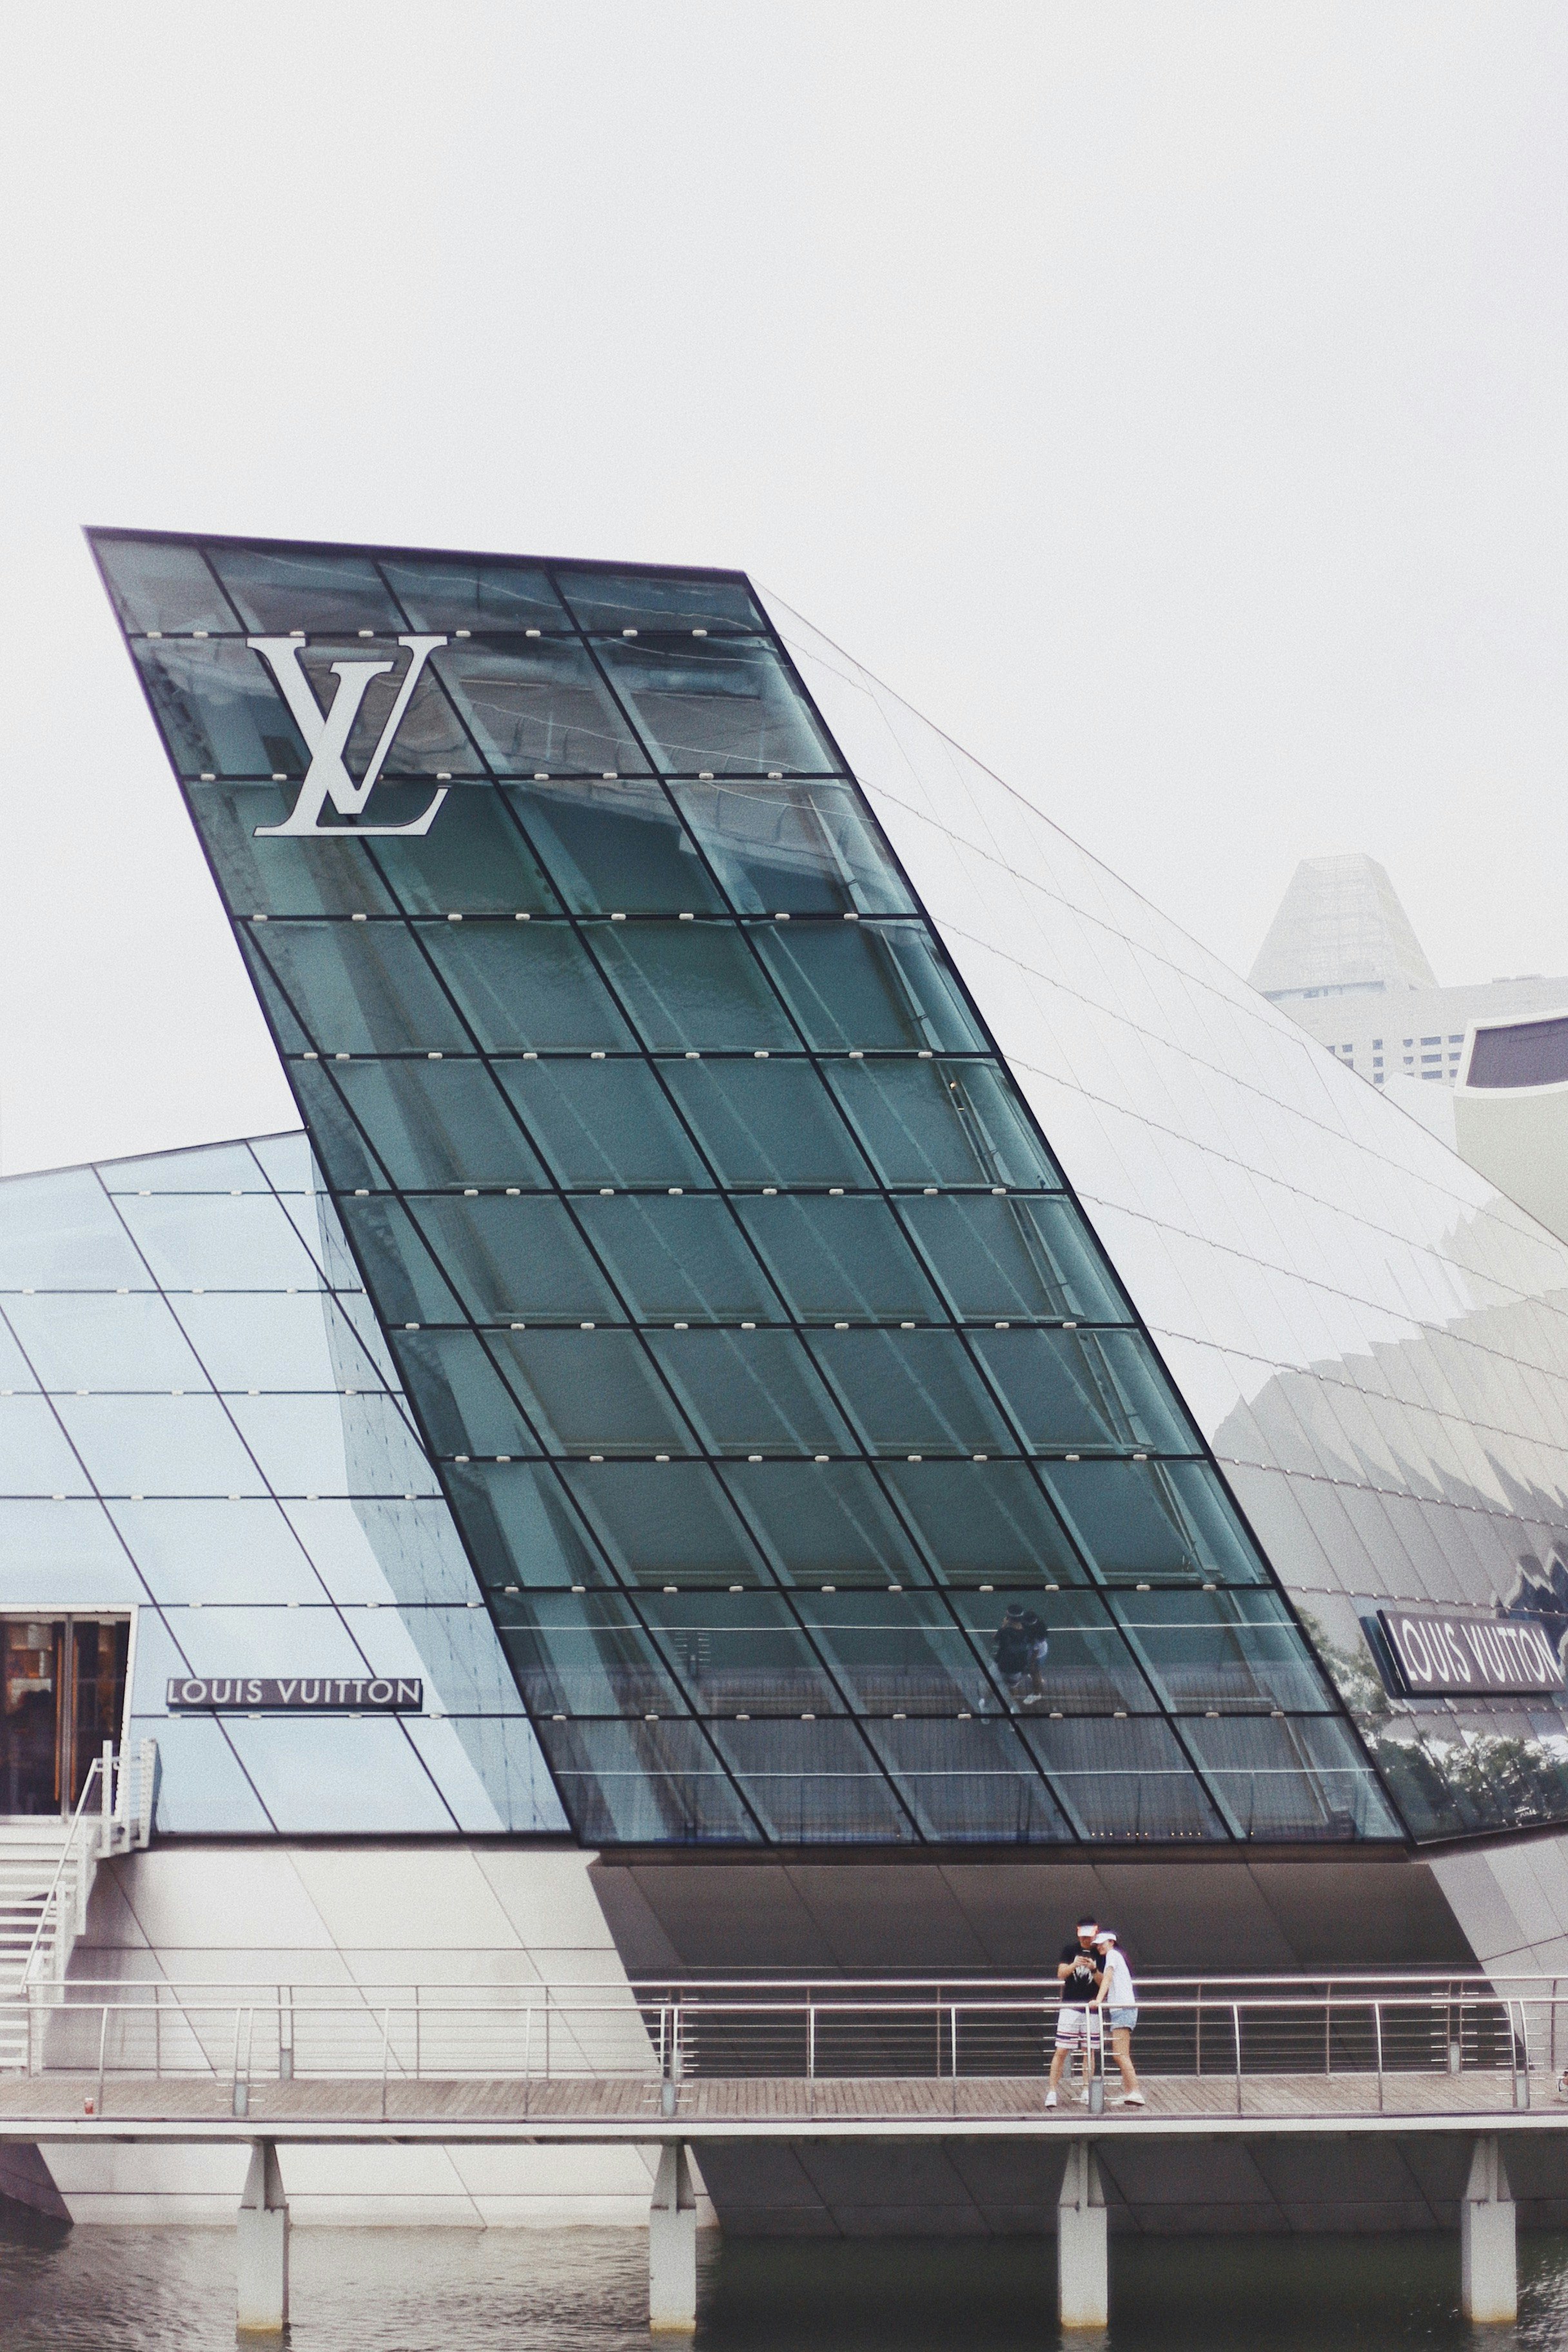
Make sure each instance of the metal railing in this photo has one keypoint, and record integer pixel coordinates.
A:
(113, 1815)
(1215, 2046)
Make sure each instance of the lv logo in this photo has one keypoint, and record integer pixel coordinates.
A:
(326, 735)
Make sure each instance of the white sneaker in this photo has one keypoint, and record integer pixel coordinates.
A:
(1050, 2098)
(1083, 2098)
(1128, 2099)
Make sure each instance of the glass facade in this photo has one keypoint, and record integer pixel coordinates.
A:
(1372, 1342)
(204, 1440)
(820, 1477)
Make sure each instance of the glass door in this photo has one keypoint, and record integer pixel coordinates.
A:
(62, 1695)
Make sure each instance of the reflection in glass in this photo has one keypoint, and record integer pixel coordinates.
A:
(739, 1654)
(969, 1783)
(812, 1783)
(693, 984)
(1027, 1258)
(440, 593)
(158, 586)
(983, 1522)
(824, 1522)
(657, 600)
(943, 1123)
(537, 705)
(514, 1257)
(871, 986)
(644, 1784)
(432, 1122)
(615, 846)
(749, 1392)
(802, 848)
(911, 1392)
(838, 1257)
(1086, 1391)
(1085, 1667)
(1124, 1782)
(473, 861)
(682, 1257)
(896, 1654)
(605, 1122)
(519, 1529)
(583, 1654)
(360, 988)
(727, 709)
(769, 1122)
(1164, 1522)
(1290, 1777)
(278, 589)
(220, 711)
(1229, 1650)
(664, 1522)
(520, 988)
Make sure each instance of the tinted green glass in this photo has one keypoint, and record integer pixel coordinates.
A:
(406, 1278)
(359, 988)
(727, 709)
(812, 1783)
(1227, 1650)
(1128, 1781)
(943, 1123)
(654, 600)
(678, 1259)
(473, 860)
(911, 1392)
(155, 587)
(803, 848)
(1081, 1390)
(466, 1406)
(583, 1654)
(693, 984)
(969, 1783)
(896, 1653)
(525, 985)
(751, 1391)
(591, 1392)
(537, 705)
(515, 1258)
(665, 1522)
(983, 1522)
(769, 1122)
(823, 1523)
(290, 876)
(1023, 1259)
(644, 1784)
(739, 1653)
(520, 1529)
(278, 589)
(603, 1122)
(1155, 1522)
(1294, 1778)
(615, 848)
(838, 1257)
(480, 593)
(219, 711)
(432, 1122)
(868, 986)
(1085, 1667)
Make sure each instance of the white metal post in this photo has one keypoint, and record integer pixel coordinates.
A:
(1083, 2281)
(1488, 2253)
(672, 2246)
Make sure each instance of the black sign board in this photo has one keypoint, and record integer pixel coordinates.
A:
(303, 1695)
(1437, 1654)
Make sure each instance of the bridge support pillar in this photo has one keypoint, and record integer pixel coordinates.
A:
(262, 2246)
(1488, 2254)
(672, 2246)
(1083, 2283)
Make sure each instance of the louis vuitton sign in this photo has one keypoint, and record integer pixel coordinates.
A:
(299, 1695)
(1441, 1655)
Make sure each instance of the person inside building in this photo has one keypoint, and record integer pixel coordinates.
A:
(1020, 1651)
(1118, 2003)
(1078, 1973)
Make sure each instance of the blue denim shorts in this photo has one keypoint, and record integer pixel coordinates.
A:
(1121, 2017)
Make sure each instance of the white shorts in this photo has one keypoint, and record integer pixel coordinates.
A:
(1071, 2025)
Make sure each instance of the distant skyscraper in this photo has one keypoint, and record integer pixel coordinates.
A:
(1342, 959)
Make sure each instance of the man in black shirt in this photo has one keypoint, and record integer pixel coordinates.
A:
(1078, 1972)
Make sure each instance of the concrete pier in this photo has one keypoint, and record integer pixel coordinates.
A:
(262, 2246)
(1083, 2283)
(1489, 2253)
(672, 2246)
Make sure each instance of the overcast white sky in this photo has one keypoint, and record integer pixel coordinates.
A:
(1169, 400)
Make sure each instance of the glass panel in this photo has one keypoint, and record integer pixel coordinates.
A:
(35, 1458)
(158, 586)
(603, 1122)
(437, 1123)
(1014, 1257)
(286, 1160)
(664, 1522)
(693, 984)
(526, 987)
(473, 860)
(1055, 1651)
(461, 1398)
(651, 600)
(838, 1257)
(280, 589)
(1302, 1777)
(804, 849)
(943, 1123)
(749, 1392)
(156, 1446)
(739, 1654)
(824, 1523)
(51, 1548)
(896, 1653)
(360, 988)
(194, 1242)
(1223, 1649)
(677, 1258)
(583, 1654)
(593, 1392)
(615, 848)
(262, 1340)
(644, 1784)
(407, 1283)
(730, 710)
(200, 1785)
(983, 1522)
(490, 1774)
(345, 1155)
(520, 1529)
(911, 1392)
(399, 1547)
(1083, 1390)
(290, 876)
(521, 1257)
(90, 1341)
(969, 1783)
(220, 711)
(538, 708)
(332, 1445)
(866, 985)
(473, 592)
(1162, 1522)
(1125, 1781)
(428, 741)
(205, 1167)
(59, 1233)
(318, 1776)
(765, 1122)
(812, 1783)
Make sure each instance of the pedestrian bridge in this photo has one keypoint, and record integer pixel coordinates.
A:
(675, 2065)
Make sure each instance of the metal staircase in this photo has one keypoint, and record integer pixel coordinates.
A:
(47, 1868)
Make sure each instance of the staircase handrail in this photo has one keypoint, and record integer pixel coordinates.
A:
(68, 1852)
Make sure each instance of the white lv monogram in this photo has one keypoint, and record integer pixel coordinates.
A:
(326, 737)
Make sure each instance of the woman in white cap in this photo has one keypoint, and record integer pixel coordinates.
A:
(1119, 2003)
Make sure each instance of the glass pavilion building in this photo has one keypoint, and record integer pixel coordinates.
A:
(774, 1219)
